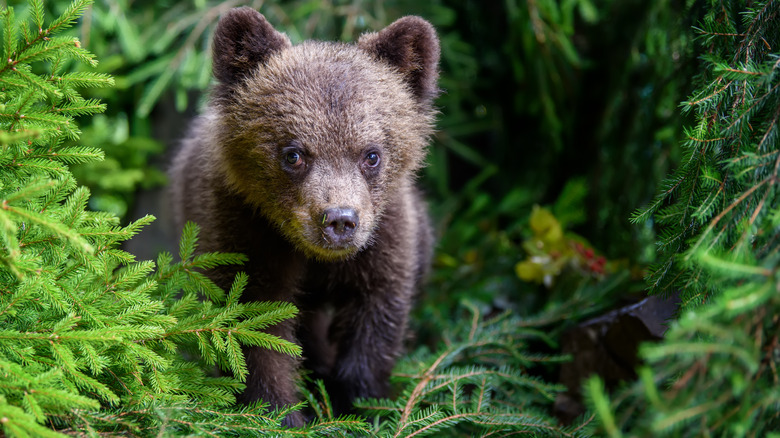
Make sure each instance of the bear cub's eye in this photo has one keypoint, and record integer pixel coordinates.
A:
(293, 158)
(372, 159)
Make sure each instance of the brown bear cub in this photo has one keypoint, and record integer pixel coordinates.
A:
(305, 161)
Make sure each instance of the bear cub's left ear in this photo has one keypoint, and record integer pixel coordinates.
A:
(243, 41)
(409, 44)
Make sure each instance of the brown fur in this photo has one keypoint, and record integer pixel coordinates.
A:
(333, 106)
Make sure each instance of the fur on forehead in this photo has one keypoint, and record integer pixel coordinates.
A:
(326, 77)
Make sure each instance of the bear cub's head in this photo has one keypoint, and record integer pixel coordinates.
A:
(322, 139)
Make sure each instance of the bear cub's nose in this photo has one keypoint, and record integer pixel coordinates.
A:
(339, 224)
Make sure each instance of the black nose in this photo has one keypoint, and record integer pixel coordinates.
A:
(339, 223)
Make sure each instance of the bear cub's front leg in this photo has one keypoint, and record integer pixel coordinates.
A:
(305, 160)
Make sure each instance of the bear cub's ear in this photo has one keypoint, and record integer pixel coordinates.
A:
(410, 44)
(243, 40)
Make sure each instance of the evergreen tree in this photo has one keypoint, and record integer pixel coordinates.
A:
(716, 373)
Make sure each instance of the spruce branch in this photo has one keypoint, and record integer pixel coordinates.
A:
(459, 390)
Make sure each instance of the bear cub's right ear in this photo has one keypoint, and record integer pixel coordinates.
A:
(243, 40)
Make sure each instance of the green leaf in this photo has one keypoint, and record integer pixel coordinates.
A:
(153, 92)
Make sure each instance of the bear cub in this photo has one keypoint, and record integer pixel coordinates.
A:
(305, 160)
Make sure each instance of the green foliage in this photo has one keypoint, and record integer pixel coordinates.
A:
(471, 385)
(551, 92)
(37, 116)
(723, 195)
(480, 381)
(716, 372)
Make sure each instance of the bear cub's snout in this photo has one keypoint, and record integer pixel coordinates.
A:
(339, 224)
